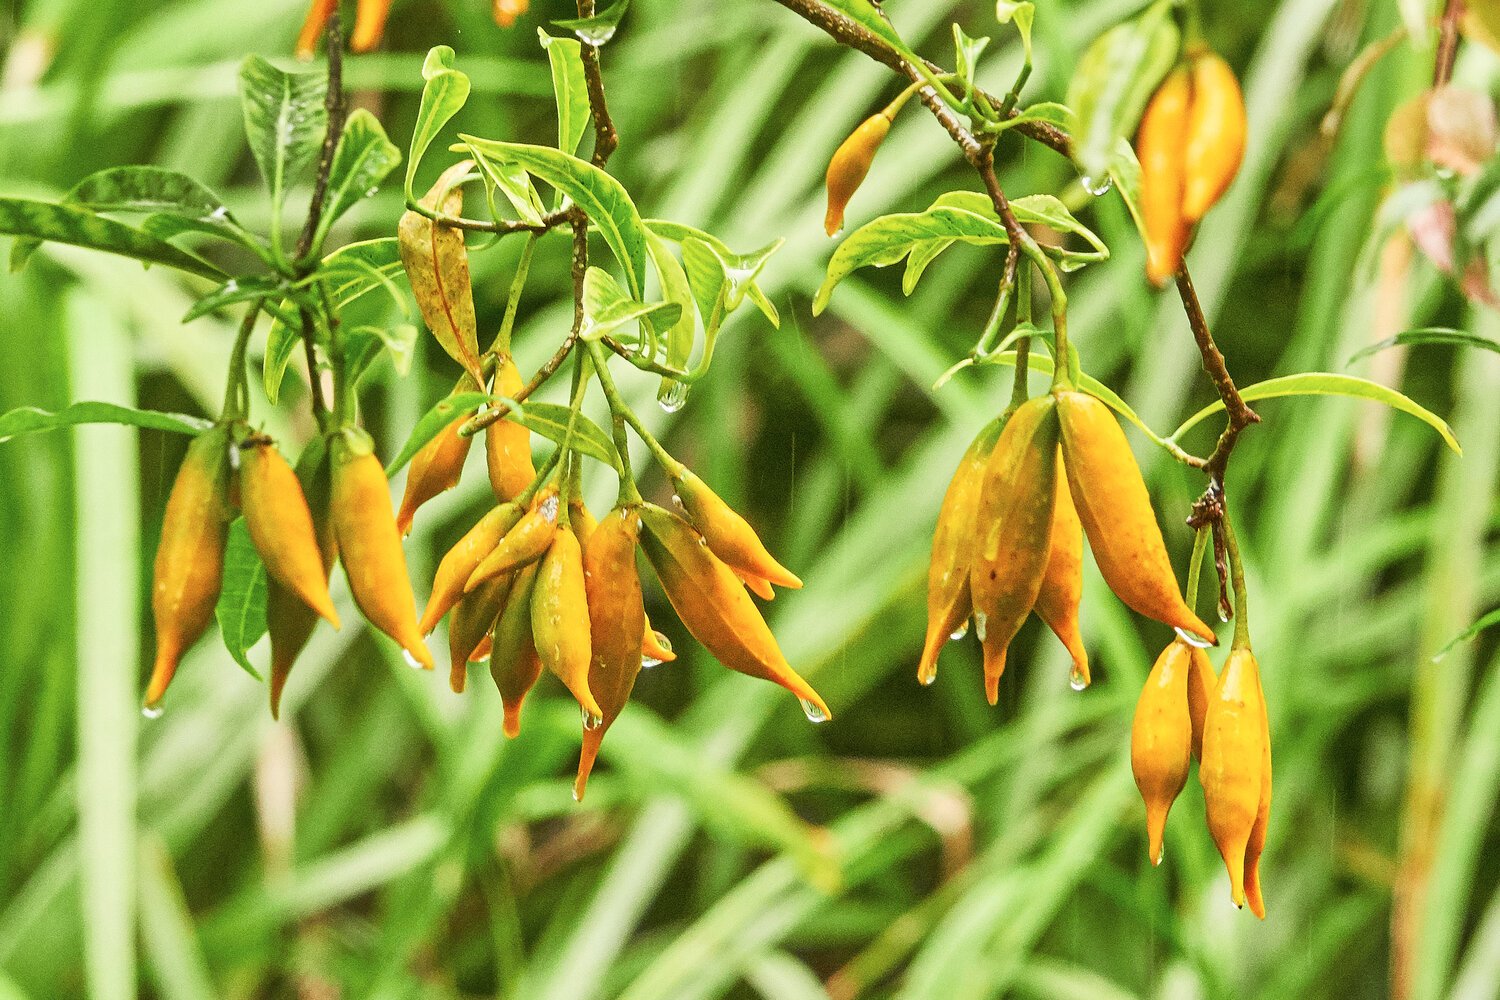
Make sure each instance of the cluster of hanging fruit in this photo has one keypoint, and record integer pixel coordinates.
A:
(1009, 536)
(370, 17)
(1185, 712)
(1190, 144)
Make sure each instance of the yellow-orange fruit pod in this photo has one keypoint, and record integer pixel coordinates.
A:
(463, 559)
(1161, 740)
(848, 166)
(560, 618)
(318, 13)
(1116, 513)
(527, 542)
(654, 646)
(1216, 130)
(1234, 763)
(289, 621)
(281, 527)
(617, 618)
(473, 619)
(1159, 146)
(714, 607)
(507, 444)
(514, 664)
(582, 520)
(728, 535)
(1013, 526)
(1062, 583)
(1257, 843)
(1201, 683)
(506, 11)
(434, 469)
(369, 24)
(189, 567)
(953, 540)
(370, 546)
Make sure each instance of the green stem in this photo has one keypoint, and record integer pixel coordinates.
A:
(501, 344)
(1200, 542)
(1062, 377)
(580, 389)
(1237, 579)
(236, 385)
(620, 408)
(912, 89)
(1018, 388)
(617, 410)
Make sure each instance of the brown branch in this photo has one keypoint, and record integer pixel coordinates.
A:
(606, 139)
(333, 104)
(1447, 50)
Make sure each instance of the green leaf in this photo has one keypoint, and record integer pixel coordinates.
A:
(511, 180)
(443, 95)
(1043, 111)
(30, 419)
(600, 28)
(1329, 384)
(1115, 78)
(920, 257)
(241, 610)
(675, 288)
(1429, 335)
(1125, 176)
(1020, 13)
(284, 122)
(606, 307)
(1493, 618)
(889, 238)
(46, 221)
(550, 420)
(570, 87)
(966, 58)
(869, 16)
(363, 159)
(443, 413)
(363, 344)
(233, 291)
(678, 233)
(601, 197)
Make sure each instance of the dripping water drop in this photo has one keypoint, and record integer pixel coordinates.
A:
(1191, 639)
(960, 632)
(151, 711)
(1077, 679)
(411, 659)
(591, 722)
(647, 662)
(673, 396)
(813, 711)
(1097, 187)
(980, 621)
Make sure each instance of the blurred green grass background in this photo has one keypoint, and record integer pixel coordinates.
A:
(385, 841)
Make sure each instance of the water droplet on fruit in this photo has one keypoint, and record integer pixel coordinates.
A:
(960, 632)
(673, 396)
(1077, 679)
(812, 710)
(1191, 639)
(152, 711)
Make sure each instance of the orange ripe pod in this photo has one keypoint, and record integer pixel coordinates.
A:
(481, 652)
(728, 535)
(712, 603)
(514, 664)
(1062, 583)
(1233, 765)
(949, 603)
(473, 619)
(1201, 683)
(581, 519)
(318, 13)
(364, 527)
(508, 444)
(1216, 131)
(1161, 738)
(289, 621)
(506, 11)
(757, 585)
(849, 165)
(463, 559)
(527, 542)
(281, 526)
(1257, 843)
(369, 24)
(1013, 526)
(1116, 513)
(434, 469)
(1159, 145)
(560, 618)
(617, 619)
(189, 567)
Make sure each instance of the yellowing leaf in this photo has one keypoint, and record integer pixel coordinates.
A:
(437, 265)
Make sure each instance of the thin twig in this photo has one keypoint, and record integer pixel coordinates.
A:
(1239, 413)
(333, 103)
(1447, 50)
(606, 139)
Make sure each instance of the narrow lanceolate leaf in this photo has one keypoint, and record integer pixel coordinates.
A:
(29, 419)
(1114, 79)
(600, 28)
(1487, 621)
(606, 307)
(442, 413)
(437, 265)
(443, 95)
(284, 121)
(512, 181)
(601, 197)
(241, 610)
(966, 53)
(678, 233)
(733, 273)
(1430, 335)
(1036, 209)
(674, 288)
(363, 159)
(234, 291)
(1125, 176)
(551, 421)
(1020, 13)
(45, 221)
(363, 344)
(1330, 384)
(570, 87)
(869, 16)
